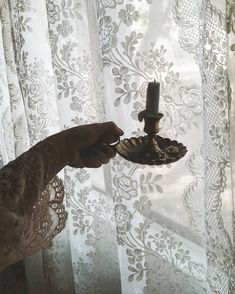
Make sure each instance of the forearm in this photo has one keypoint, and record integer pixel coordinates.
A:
(23, 203)
(53, 156)
(28, 175)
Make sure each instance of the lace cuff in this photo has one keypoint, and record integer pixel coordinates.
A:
(31, 209)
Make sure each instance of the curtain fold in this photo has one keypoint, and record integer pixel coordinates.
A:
(131, 228)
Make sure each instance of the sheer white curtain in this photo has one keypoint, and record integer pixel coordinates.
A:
(131, 229)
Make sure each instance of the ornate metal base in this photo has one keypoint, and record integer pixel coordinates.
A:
(151, 151)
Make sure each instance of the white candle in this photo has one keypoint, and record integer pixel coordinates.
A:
(153, 95)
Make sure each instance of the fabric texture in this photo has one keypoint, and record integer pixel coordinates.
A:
(31, 213)
(131, 228)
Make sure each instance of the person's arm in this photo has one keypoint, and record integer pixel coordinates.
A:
(24, 180)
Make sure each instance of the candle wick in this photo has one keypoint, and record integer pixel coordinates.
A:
(154, 81)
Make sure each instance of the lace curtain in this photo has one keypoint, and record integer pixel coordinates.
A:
(131, 229)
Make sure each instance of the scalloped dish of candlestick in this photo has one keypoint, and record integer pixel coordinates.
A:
(157, 151)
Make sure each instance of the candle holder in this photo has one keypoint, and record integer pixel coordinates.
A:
(150, 149)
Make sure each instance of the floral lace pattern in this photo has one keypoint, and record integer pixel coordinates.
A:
(214, 65)
(131, 228)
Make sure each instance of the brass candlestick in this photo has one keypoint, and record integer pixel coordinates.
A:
(151, 149)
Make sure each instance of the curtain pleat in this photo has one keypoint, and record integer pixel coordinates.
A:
(131, 228)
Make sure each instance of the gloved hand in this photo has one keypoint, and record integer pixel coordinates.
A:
(87, 145)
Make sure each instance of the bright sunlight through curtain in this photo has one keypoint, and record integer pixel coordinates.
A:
(131, 229)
